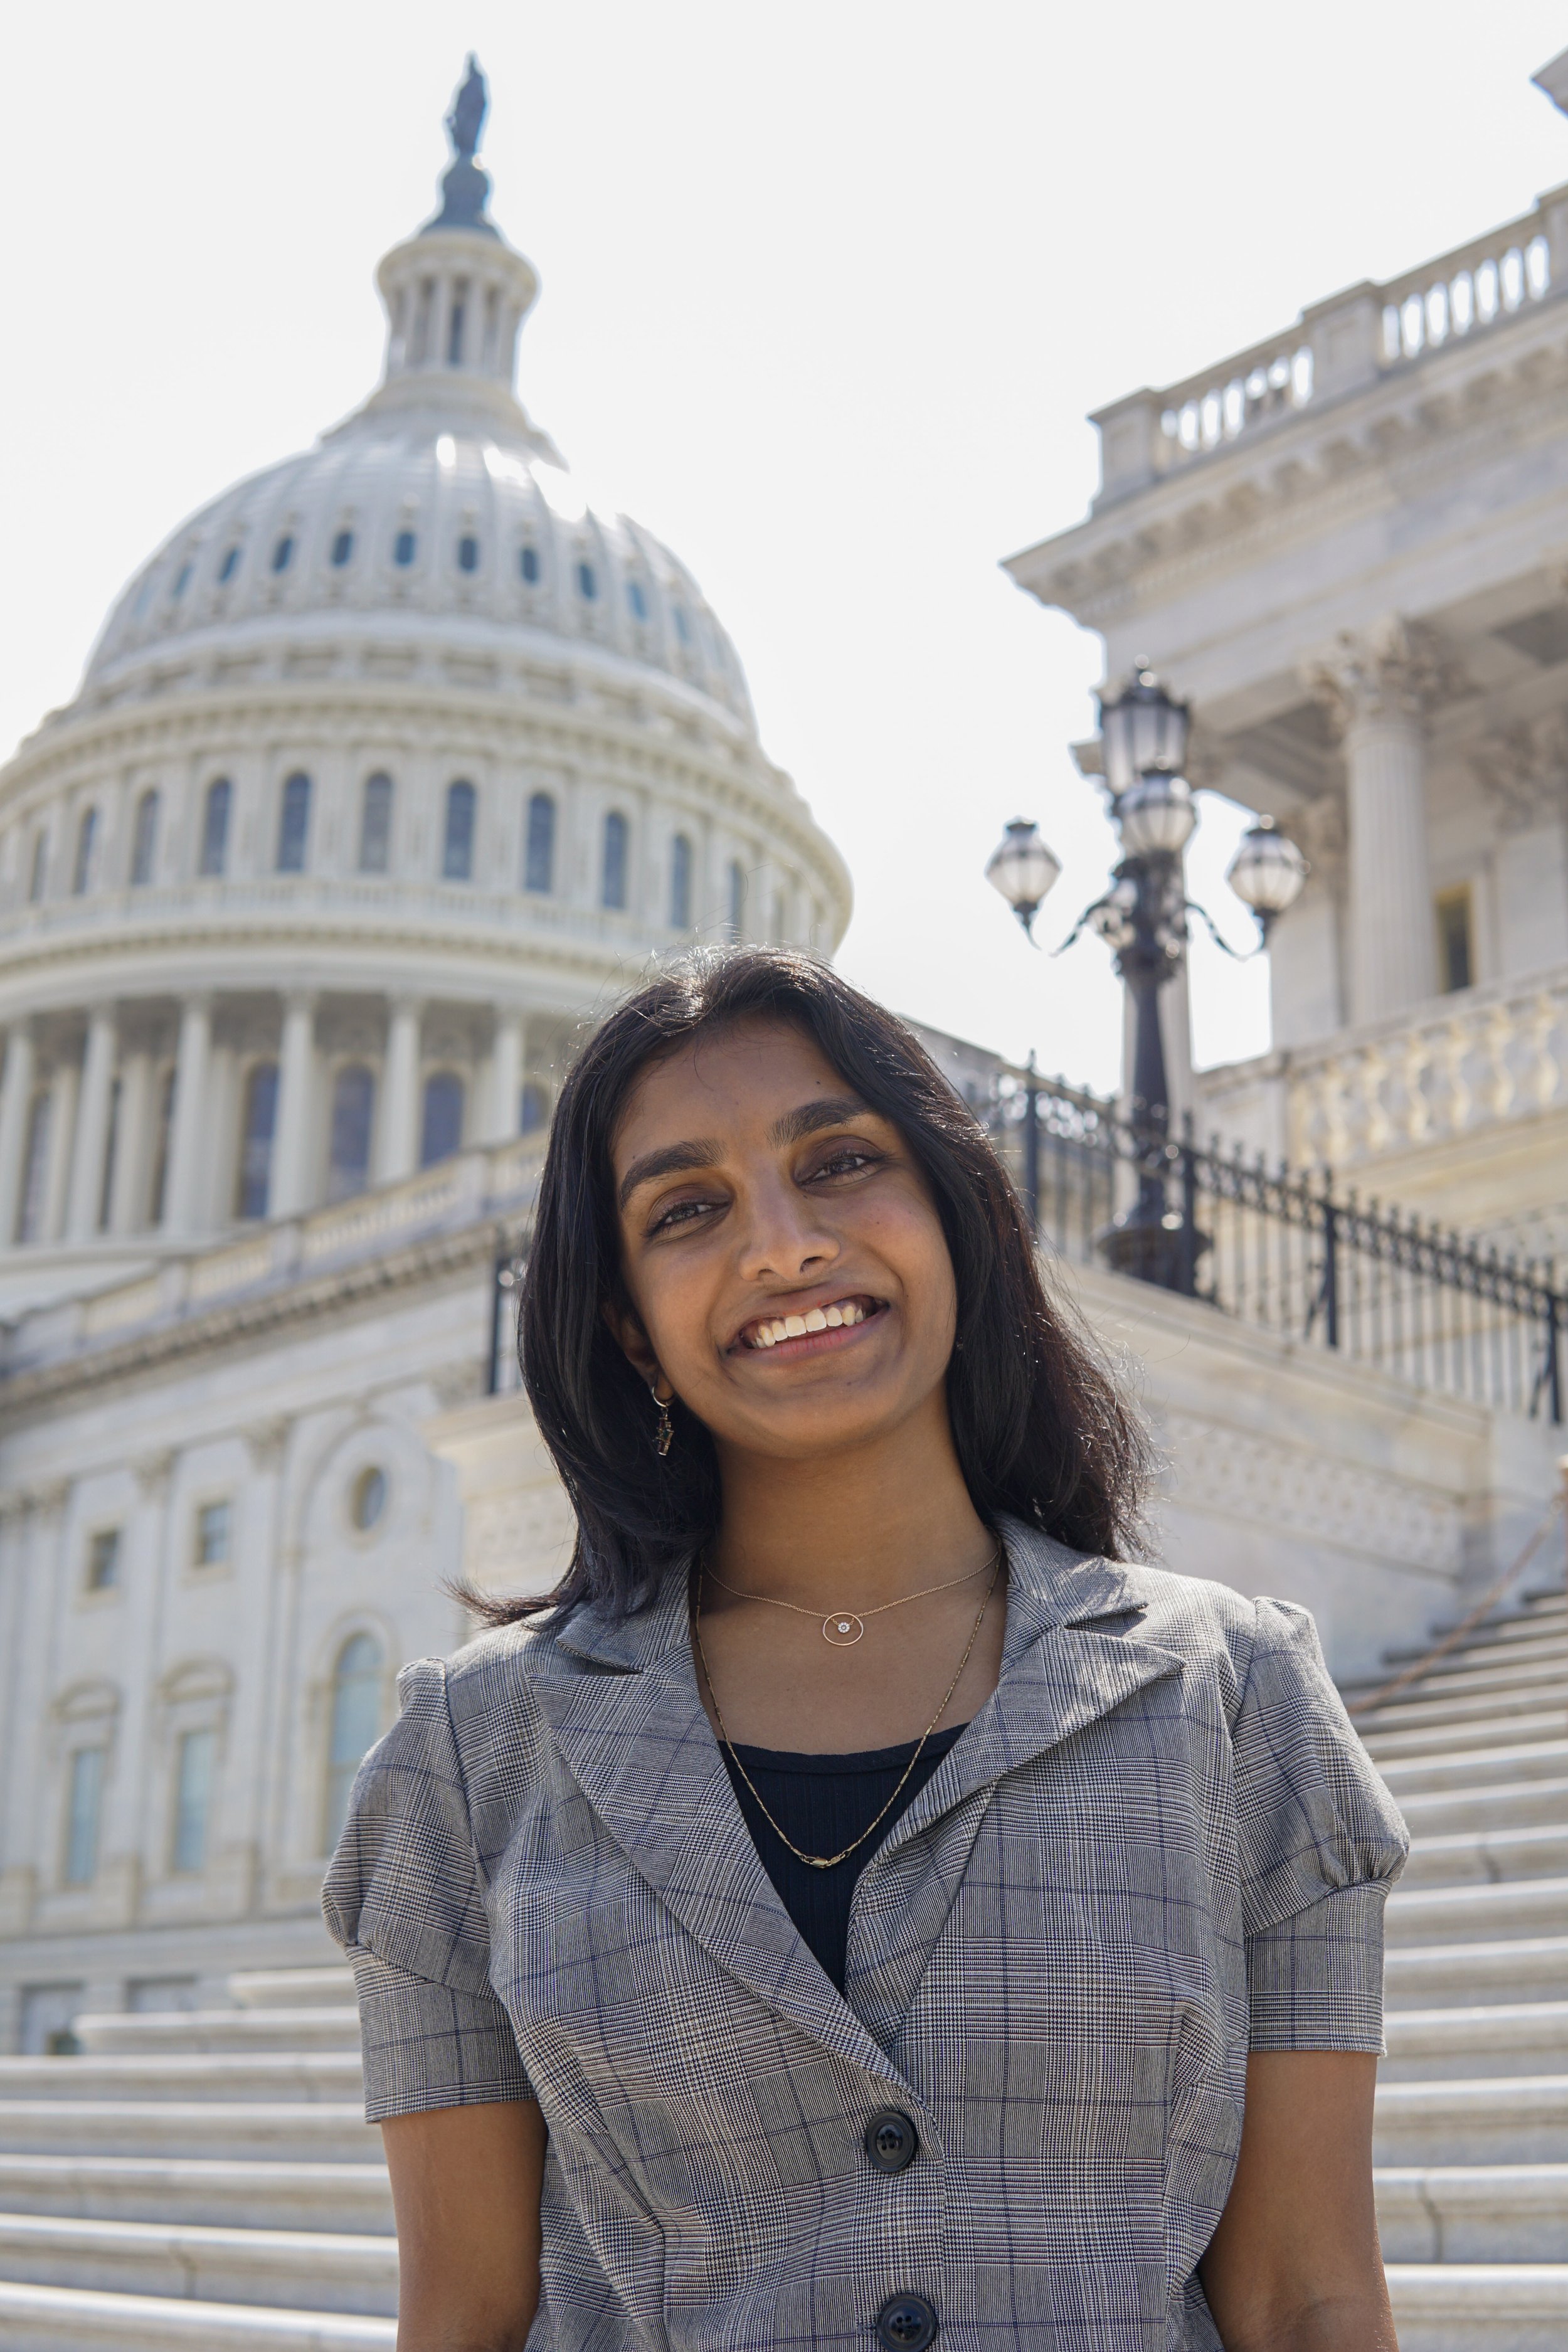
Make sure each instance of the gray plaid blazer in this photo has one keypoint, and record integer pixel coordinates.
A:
(1159, 1843)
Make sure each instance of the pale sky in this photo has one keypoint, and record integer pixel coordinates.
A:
(827, 291)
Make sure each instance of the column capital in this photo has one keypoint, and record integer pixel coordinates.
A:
(1521, 769)
(1394, 669)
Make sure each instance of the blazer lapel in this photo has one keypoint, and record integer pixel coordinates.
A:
(643, 1752)
(1060, 1674)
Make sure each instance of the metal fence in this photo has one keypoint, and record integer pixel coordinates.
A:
(1282, 1248)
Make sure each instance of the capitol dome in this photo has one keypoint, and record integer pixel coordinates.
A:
(393, 764)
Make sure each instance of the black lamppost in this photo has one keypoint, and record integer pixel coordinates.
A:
(1142, 918)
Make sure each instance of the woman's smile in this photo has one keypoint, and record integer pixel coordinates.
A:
(788, 1334)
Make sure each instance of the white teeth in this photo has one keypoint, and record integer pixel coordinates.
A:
(854, 1313)
(765, 1337)
(815, 1320)
(794, 1326)
(833, 1318)
(844, 1314)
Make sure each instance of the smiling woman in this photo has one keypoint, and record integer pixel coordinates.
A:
(887, 1911)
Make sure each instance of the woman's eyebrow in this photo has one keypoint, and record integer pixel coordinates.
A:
(668, 1161)
(832, 1110)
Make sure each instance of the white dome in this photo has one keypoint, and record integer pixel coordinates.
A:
(408, 516)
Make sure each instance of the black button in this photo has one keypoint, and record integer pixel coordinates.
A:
(906, 2322)
(892, 2140)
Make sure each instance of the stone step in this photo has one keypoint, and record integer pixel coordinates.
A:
(355, 2198)
(1436, 1914)
(126, 2032)
(249, 2130)
(1430, 1976)
(309, 2270)
(186, 2075)
(1510, 1804)
(1479, 1719)
(1469, 1857)
(324, 1987)
(80, 2319)
(1438, 2044)
(1524, 1637)
(1474, 2213)
(1474, 1771)
(1480, 2306)
(1516, 2119)
(1460, 1677)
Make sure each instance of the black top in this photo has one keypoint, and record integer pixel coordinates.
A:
(823, 1802)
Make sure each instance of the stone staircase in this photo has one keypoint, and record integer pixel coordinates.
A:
(206, 2179)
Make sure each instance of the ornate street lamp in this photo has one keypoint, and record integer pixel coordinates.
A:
(1143, 919)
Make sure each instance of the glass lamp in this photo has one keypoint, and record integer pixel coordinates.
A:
(1024, 869)
(1144, 728)
(1156, 814)
(1267, 872)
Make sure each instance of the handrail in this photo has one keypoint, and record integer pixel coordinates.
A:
(1466, 1625)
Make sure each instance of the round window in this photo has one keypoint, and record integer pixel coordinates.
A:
(367, 1498)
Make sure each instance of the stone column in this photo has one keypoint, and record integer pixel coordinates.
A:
(397, 1137)
(187, 1140)
(292, 1136)
(503, 1119)
(16, 1103)
(64, 1089)
(126, 1195)
(1378, 687)
(85, 1194)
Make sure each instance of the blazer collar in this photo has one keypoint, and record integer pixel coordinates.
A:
(638, 1742)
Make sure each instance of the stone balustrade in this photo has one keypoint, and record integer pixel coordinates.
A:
(1337, 346)
(1488, 1055)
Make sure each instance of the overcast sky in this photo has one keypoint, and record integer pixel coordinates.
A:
(827, 290)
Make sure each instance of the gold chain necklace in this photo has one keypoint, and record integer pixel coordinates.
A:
(844, 1627)
(831, 1861)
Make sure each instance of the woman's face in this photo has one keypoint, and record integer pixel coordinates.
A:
(788, 1273)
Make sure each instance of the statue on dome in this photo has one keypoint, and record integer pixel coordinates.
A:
(465, 189)
(467, 118)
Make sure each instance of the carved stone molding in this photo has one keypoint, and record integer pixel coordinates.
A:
(267, 1439)
(1320, 831)
(1285, 1488)
(1523, 770)
(1396, 667)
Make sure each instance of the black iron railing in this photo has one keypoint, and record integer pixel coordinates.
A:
(1283, 1248)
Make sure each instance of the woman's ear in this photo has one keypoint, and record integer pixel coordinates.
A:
(626, 1330)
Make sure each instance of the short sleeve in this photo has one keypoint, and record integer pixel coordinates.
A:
(403, 1896)
(1321, 1843)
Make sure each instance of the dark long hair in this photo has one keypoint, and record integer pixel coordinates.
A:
(1040, 1429)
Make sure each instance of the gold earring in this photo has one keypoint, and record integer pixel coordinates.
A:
(664, 1434)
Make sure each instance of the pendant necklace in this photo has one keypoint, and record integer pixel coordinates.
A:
(844, 1627)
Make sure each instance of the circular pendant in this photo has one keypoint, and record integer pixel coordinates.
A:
(842, 1631)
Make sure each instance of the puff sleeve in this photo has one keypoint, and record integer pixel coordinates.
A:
(1320, 1842)
(403, 1896)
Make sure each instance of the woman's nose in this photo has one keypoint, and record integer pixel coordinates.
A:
(783, 1239)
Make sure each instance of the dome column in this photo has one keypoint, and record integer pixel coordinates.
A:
(504, 1115)
(397, 1139)
(132, 1128)
(16, 1103)
(91, 1142)
(187, 1157)
(290, 1186)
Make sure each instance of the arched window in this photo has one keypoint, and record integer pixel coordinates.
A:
(403, 549)
(194, 1758)
(376, 825)
(229, 567)
(528, 565)
(40, 867)
(353, 1107)
(467, 553)
(534, 1109)
(613, 880)
(682, 625)
(342, 548)
(441, 1130)
(215, 825)
(637, 601)
(255, 1140)
(539, 845)
(457, 841)
(737, 907)
(283, 553)
(144, 839)
(182, 580)
(587, 583)
(35, 1169)
(357, 1679)
(86, 835)
(294, 825)
(680, 882)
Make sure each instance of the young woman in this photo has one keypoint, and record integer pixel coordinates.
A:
(867, 1910)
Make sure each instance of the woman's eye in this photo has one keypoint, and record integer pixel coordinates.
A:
(679, 1212)
(846, 1162)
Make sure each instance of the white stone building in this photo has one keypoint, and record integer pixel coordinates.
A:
(391, 766)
